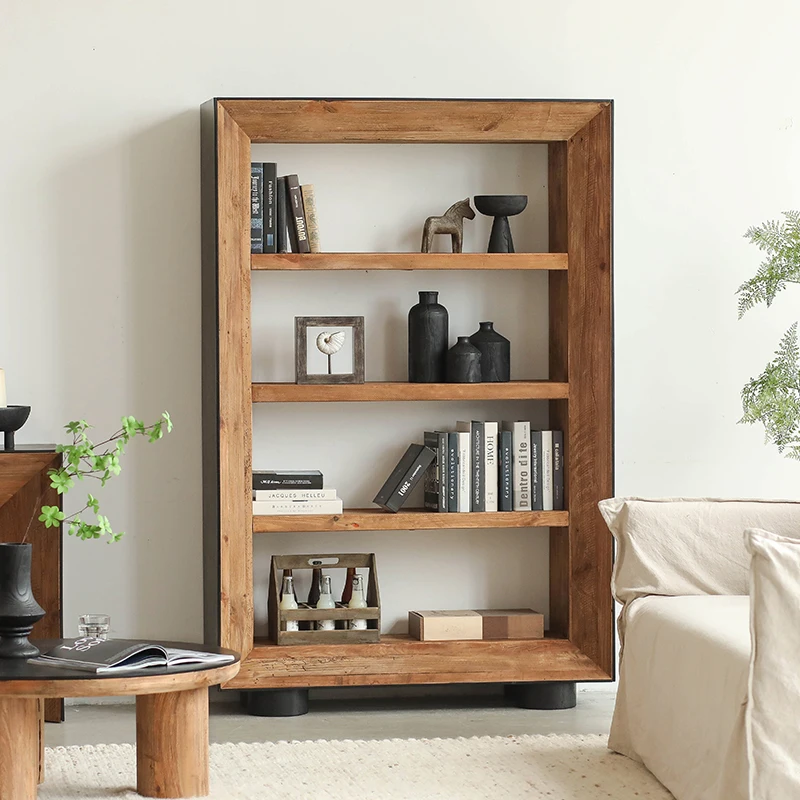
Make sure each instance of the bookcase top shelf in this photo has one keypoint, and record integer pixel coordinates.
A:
(408, 261)
(376, 519)
(403, 391)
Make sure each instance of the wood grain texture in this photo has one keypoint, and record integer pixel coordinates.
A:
(560, 565)
(118, 687)
(19, 748)
(376, 519)
(590, 456)
(407, 392)
(40, 713)
(409, 261)
(24, 488)
(401, 660)
(235, 405)
(408, 121)
(172, 744)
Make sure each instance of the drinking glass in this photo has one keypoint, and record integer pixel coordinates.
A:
(95, 625)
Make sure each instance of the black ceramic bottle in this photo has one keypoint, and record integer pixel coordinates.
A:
(427, 340)
(19, 610)
(495, 353)
(463, 362)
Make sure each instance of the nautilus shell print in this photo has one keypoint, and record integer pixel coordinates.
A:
(329, 344)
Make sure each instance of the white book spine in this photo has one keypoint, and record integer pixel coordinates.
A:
(272, 508)
(490, 472)
(285, 495)
(547, 470)
(521, 447)
(464, 471)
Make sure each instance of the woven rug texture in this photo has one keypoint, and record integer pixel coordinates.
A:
(558, 767)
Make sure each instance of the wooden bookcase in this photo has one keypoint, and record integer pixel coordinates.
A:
(580, 643)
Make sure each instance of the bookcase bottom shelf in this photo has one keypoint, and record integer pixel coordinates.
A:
(375, 519)
(399, 660)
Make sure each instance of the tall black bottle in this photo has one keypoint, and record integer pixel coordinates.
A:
(428, 334)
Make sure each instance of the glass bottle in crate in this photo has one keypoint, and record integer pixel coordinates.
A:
(289, 603)
(316, 587)
(358, 600)
(287, 573)
(347, 592)
(326, 601)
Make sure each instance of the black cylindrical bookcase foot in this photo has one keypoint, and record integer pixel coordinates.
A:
(243, 700)
(277, 702)
(544, 696)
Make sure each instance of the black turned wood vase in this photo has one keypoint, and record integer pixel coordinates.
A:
(19, 611)
(495, 353)
(463, 362)
(428, 335)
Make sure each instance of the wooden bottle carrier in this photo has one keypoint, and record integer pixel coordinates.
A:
(341, 614)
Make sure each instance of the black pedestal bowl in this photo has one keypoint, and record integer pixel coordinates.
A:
(501, 207)
(12, 418)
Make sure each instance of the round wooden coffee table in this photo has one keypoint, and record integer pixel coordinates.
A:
(171, 721)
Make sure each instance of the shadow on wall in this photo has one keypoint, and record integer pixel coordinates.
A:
(129, 287)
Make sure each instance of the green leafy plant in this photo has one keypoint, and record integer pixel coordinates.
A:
(101, 461)
(773, 398)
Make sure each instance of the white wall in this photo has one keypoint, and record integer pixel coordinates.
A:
(99, 222)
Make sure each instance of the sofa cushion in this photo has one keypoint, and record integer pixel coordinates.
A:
(774, 703)
(687, 546)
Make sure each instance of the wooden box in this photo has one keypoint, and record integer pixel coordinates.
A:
(443, 626)
(514, 623)
(279, 617)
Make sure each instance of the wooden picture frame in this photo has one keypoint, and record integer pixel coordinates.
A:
(301, 350)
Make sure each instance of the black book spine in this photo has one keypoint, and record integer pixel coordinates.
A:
(270, 206)
(397, 474)
(298, 213)
(441, 465)
(431, 491)
(537, 503)
(558, 470)
(452, 472)
(281, 233)
(424, 457)
(478, 445)
(286, 480)
(506, 473)
(256, 207)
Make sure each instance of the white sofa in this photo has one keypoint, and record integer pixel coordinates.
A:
(709, 692)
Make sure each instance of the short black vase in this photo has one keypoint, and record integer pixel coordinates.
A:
(501, 207)
(428, 333)
(12, 418)
(19, 611)
(495, 353)
(463, 362)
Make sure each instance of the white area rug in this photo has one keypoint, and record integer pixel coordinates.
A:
(488, 767)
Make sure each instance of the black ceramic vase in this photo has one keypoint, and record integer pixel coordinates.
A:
(463, 362)
(427, 340)
(19, 611)
(495, 353)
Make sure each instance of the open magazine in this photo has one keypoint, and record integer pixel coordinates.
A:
(104, 656)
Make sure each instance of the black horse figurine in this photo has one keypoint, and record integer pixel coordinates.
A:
(452, 222)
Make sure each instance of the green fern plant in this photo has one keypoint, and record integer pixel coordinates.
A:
(773, 398)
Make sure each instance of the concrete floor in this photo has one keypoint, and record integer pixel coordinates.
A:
(355, 718)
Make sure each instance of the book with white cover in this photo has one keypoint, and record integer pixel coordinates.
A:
(284, 495)
(521, 433)
(276, 507)
(464, 471)
(491, 435)
(547, 470)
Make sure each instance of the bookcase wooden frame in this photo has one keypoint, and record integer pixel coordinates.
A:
(580, 643)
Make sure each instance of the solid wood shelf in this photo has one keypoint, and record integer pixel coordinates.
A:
(408, 261)
(376, 519)
(403, 660)
(404, 391)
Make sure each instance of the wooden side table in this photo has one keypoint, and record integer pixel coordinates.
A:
(171, 721)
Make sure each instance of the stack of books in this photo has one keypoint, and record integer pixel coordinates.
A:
(482, 466)
(292, 492)
(283, 214)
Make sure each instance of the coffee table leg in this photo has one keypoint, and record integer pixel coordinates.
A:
(19, 747)
(172, 744)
